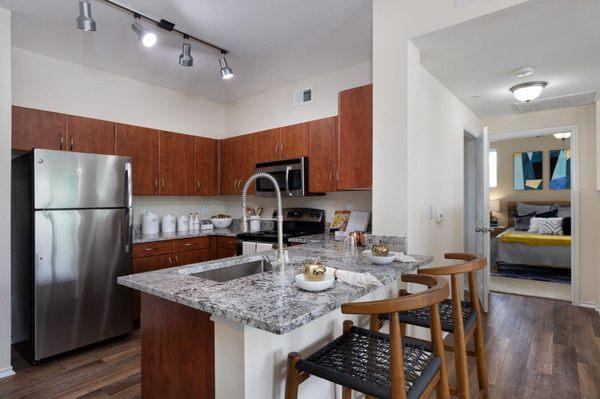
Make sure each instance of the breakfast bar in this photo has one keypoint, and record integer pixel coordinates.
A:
(230, 338)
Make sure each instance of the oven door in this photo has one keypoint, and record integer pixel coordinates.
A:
(291, 176)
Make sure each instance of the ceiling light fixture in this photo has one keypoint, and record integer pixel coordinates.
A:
(528, 91)
(185, 58)
(226, 72)
(147, 37)
(562, 136)
(84, 20)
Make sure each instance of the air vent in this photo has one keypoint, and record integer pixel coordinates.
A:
(303, 96)
(571, 100)
(460, 3)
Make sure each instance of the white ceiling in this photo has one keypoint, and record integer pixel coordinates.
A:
(272, 42)
(560, 38)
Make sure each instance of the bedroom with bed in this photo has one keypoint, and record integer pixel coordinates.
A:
(531, 218)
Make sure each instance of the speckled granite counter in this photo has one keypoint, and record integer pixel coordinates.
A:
(268, 301)
(139, 238)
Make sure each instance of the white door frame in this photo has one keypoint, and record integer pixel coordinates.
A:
(575, 234)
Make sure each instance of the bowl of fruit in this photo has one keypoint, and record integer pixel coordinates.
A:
(221, 221)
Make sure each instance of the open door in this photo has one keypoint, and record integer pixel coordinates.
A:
(482, 226)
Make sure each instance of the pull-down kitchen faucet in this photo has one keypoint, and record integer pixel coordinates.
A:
(252, 178)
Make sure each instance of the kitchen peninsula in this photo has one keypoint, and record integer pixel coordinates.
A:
(203, 338)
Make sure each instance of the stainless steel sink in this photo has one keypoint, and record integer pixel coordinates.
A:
(236, 271)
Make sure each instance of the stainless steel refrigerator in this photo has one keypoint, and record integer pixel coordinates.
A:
(71, 239)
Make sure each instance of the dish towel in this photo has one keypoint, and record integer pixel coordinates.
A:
(263, 247)
(354, 278)
(400, 257)
(248, 248)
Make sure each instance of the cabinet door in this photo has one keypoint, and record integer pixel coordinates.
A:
(177, 175)
(206, 164)
(228, 174)
(187, 258)
(321, 155)
(141, 144)
(237, 163)
(143, 265)
(355, 138)
(90, 135)
(267, 145)
(32, 128)
(225, 253)
(294, 141)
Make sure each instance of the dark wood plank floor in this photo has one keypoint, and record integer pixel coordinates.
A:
(537, 348)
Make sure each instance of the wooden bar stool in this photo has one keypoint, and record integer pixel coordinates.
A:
(460, 318)
(381, 365)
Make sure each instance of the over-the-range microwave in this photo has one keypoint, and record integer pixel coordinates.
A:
(291, 175)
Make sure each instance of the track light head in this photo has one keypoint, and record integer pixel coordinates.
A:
(226, 72)
(84, 20)
(185, 58)
(147, 37)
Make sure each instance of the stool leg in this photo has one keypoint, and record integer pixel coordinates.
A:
(346, 393)
(292, 379)
(460, 347)
(438, 350)
(478, 338)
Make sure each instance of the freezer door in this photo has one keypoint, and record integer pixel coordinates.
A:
(74, 180)
(78, 256)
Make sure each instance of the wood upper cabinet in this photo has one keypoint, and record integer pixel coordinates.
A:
(176, 164)
(355, 139)
(141, 144)
(206, 165)
(294, 141)
(267, 145)
(321, 155)
(33, 128)
(237, 163)
(90, 135)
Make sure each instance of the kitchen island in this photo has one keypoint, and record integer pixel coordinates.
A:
(203, 338)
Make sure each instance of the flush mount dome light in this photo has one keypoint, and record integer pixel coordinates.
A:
(528, 91)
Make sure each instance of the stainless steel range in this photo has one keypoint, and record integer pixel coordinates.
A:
(297, 222)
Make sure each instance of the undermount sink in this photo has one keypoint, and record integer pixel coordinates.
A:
(236, 271)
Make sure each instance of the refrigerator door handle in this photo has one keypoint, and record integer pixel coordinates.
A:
(129, 210)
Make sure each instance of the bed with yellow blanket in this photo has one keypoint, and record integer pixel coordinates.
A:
(524, 248)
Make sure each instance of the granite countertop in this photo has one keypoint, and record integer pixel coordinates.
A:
(139, 238)
(268, 301)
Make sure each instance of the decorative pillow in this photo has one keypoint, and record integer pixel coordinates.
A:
(566, 225)
(534, 225)
(522, 221)
(551, 227)
(550, 214)
(525, 209)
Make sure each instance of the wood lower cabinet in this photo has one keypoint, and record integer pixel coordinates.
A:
(321, 155)
(206, 165)
(190, 257)
(226, 247)
(176, 164)
(236, 156)
(147, 264)
(294, 141)
(355, 139)
(34, 128)
(90, 135)
(141, 144)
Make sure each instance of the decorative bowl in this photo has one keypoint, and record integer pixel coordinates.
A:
(380, 260)
(314, 286)
(221, 223)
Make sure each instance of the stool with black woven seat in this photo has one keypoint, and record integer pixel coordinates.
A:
(381, 365)
(460, 318)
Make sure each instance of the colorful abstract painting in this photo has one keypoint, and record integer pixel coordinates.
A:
(560, 169)
(529, 170)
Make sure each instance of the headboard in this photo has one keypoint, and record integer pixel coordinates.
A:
(512, 208)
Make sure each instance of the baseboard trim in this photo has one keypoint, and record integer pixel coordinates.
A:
(590, 305)
(7, 372)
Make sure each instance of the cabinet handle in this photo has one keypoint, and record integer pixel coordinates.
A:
(149, 249)
(170, 261)
(72, 142)
(330, 176)
(188, 245)
(337, 175)
(281, 150)
(163, 184)
(176, 260)
(276, 149)
(156, 184)
(198, 185)
(62, 142)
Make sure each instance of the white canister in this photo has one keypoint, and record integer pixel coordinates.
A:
(254, 223)
(183, 223)
(149, 223)
(168, 224)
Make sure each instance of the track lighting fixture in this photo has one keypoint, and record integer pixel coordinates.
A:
(147, 37)
(185, 58)
(226, 72)
(84, 20)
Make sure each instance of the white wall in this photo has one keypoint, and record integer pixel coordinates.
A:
(5, 167)
(177, 206)
(48, 83)
(274, 108)
(394, 24)
(435, 162)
